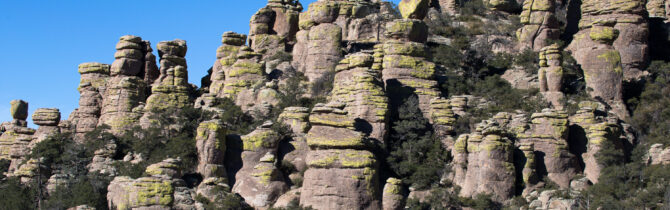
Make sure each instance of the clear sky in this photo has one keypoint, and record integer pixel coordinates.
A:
(43, 42)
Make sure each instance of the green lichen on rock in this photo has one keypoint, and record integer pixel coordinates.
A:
(614, 59)
(153, 191)
(256, 140)
(414, 9)
(603, 34)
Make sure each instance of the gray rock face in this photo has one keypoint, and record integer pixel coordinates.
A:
(338, 155)
(274, 27)
(540, 25)
(361, 89)
(551, 75)
(161, 190)
(48, 120)
(483, 162)
(259, 181)
(211, 144)
(393, 198)
(123, 99)
(92, 87)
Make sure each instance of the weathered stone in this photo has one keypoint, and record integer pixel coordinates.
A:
(92, 87)
(259, 181)
(483, 162)
(297, 118)
(19, 109)
(551, 75)
(540, 25)
(413, 9)
(393, 197)
(211, 144)
(338, 154)
(46, 117)
(171, 89)
(658, 155)
(360, 87)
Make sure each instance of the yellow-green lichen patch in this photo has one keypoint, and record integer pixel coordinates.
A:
(256, 140)
(614, 59)
(154, 192)
(603, 34)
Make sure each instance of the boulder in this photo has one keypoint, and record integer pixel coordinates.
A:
(413, 9)
(540, 25)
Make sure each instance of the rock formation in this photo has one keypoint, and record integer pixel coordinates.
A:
(15, 140)
(483, 162)
(360, 88)
(611, 46)
(657, 9)
(247, 72)
(443, 119)
(123, 99)
(406, 71)
(211, 144)
(548, 133)
(226, 55)
(540, 25)
(338, 154)
(658, 155)
(597, 128)
(47, 120)
(259, 181)
(551, 75)
(327, 24)
(163, 189)
(92, 87)
(393, 198)
(171, 89)
(274, 26)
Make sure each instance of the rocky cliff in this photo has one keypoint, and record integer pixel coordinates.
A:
(362, 104)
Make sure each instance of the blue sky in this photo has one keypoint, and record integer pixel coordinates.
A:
(42, 42)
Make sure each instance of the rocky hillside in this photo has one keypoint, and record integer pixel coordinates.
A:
(363, 104)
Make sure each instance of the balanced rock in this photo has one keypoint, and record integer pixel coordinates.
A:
(48, 120)
(414, 9)
(226, 55)
(19, 110)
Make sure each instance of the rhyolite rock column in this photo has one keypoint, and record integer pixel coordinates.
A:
(361, 89)
(274, 26)
(393, 198)
(338, 154)
(92, 87)
(259, 181)
(484, 162)
(551, 75)
(540, 25)
(548, 132)
(406, 70)
(247, 71)
(14, 142)
(226, 55)
(171, 89)
(123, 100)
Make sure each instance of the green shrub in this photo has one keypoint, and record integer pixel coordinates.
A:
(414, 153)
(84, 191)
(14, 195)
(529, 60)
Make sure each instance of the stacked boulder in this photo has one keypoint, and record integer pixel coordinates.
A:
(247, 72)
(597, 127)
(338, 154)
(163, 189)
(123, 99)
(226, 55)
(259, 181)
(47, 120)
(274, 26)
(16, 129)
(92, 87)
(360, 88)
(406, 70)
(540, 25)
(15, 141)
(295, 150)
(484, 162)
(551, 75)
(326, 25)
(171, 89)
